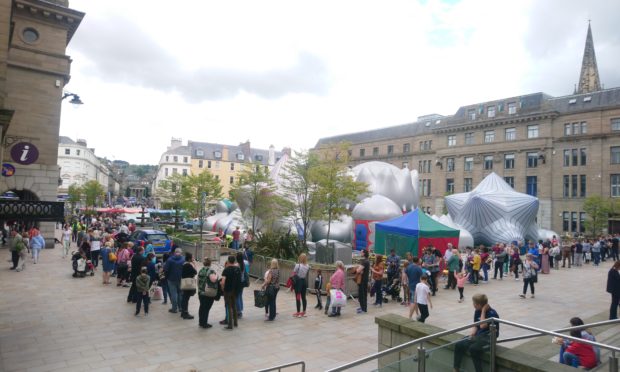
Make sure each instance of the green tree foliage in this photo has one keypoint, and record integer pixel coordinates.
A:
(194, 186)
(335, 186)
(74, 196)
(170, 192)
(94, 194)
(597, 211)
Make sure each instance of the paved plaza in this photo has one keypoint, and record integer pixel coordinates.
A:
(50, 321)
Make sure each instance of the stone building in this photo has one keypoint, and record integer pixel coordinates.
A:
(34, 70)
(559, 149)
(79, 164)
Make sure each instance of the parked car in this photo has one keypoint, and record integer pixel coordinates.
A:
(159, 240)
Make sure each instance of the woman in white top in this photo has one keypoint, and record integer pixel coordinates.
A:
(95, 247)
(301, 285)
(66, 240)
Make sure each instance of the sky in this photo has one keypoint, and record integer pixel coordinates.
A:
(286, 73)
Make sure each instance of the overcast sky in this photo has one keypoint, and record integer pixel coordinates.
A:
(288, 72)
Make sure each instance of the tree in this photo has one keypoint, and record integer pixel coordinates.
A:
(170, 191)
(300, 185)
(597, 211)
(194, 186)
(93, 194)
(335, 186)
(255, 183)
(74, 196)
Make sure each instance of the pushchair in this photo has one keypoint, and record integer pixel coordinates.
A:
(392, 290)
(81, 266)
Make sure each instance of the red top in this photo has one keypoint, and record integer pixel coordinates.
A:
(236, 234)
(587, 357)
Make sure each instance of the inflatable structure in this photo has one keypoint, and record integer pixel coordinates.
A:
(366, 214)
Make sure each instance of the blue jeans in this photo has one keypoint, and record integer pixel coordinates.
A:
(164, 289)
(175, 294)
(485, 270)
(596, 257)
(239, 301)
(378, 293)
(571, 360)
(235, 244)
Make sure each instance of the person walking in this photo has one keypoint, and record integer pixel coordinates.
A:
(123, 258)
(422, 299)
(453, 268)
(173, 269)
(16, 246)
(66, 240)
(500, 257)
(106, 263)
(244, 267)
(231, 281)
(36, 244)
(142, 291)
(271, 288)
(236, 235)
(301, 270)
(207, 280)
(137, 261)
(377, 277)
(363, 272)
(544, 261)
(613, 288)
(337, 282)
(187, 272)
(529, 274)
(475, 265)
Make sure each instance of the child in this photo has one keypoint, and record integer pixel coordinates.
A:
(404, 282)
(328, 288)
(142, 291)
(318, 284)
(422, 299)
(461, 277)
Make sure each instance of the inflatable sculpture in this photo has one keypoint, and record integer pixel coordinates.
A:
(366, 214)
(398, 185)
(495, 212)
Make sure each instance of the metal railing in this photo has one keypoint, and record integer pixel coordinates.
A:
(279, 368)
(421, 351)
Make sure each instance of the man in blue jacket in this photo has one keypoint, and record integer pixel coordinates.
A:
(172, 270)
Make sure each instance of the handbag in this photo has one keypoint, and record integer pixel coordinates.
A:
(358, 278)
(534, 277)
(338, 298)
(156, 292)
(188, 284)
(112, 257)
(260, 298)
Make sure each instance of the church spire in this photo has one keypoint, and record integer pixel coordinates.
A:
(589, 79)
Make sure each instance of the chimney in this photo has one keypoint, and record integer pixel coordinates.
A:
(245, 148)
(174, 143)
(81, 142)
(272, 155)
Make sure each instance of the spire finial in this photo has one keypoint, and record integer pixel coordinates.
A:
(589, 79)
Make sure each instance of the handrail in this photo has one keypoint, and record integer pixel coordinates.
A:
(585, 326)
(454, 330)
(278, 368)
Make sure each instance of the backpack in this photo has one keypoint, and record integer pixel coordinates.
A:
(237, 284)
(211, 284)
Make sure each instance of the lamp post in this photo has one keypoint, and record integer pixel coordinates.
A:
(75, 99)
(203, 197)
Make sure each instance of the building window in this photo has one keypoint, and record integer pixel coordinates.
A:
(469, 138)
(450, 164)
(575, 128)
(185, 159)
(573, 222)
(574, 186)
(471, 114)
(532, 131)
(583, 154)
(582, 186)
(615, 155)
(175, 158)
(426, 187)
(209, 164)
(467, 186)
(405, 164)
(240, 156)
(565, 221)
(510, 181)
(174, 171)
(166, 172)
(375, 151)
(615, 124)
(511, 134)
(488, 162)
(200, 153)
(509, 161)
(406, 147)
(450, 185)
(451, 140)
(217, 164)
(532, 159)
(491, 111)
(167, 158)
(566, 187)
(425, 145)
(567, 130)
(469, 164)
(584, 127)
(615, 185)
(77, 152)
(582, 222)
(184, 172)
(531, 185)
(232, 166)
(362, 153)
(201, 163)
(231, 180)
(567, 158)
(512, 108)
(67, 151)
(390, 149)
(489, 136)
(574, 157)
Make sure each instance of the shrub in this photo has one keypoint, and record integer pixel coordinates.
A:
(278, 245)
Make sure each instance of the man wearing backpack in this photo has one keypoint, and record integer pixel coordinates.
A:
(231, 285)
(17, 245)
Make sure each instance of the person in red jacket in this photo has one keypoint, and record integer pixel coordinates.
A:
(578, 354)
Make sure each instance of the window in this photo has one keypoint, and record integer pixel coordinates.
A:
(200, 153)
(567, 130)
(174, 171)
(575, 158)
(575, 128)
(468, 185)
(512, 108)
(615, 185)
(489, 136)
(231, 180)
(175, 158)
(573, 193)
(566, 187)
(532, 131)
(209, 164)
(67, 151)
(451, 140)
(582, 186)
(511, 134)
(406, 147)
(583, 156)
(217, 165)
(77, 152)
(450, 185)
(375, 151)
(450, 164)
(390, 149)
(510, 181)
(184, 171)
(425, 145)
(531, 185)
(469, 138)
(185, 159)
(240, 156)
(582, 222)
(573, 222)
(201, 163)
(469, 164)
(532, 159)
(217, 154)
(615, 124)
(565, 219)
(426, 187)
(584, 127)
(509, 161)
(405, 164)
(471, 114)
(30, 35)
(491, 111)
(166, 172)
(232, 166)
(362, 153)
(488, 162)
(567, 158)
(615, 155)
(167, 158)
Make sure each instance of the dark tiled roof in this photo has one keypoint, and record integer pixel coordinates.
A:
(210, 148)
(181, 150)
(64, 140)
(405, 130)
(576, 102)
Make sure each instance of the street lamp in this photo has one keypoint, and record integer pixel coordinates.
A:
(203, 197)
(75, 99)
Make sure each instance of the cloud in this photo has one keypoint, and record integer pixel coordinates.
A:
(120, 52)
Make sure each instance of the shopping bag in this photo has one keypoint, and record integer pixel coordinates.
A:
(260, 298)
(156, 293)
(338, 298)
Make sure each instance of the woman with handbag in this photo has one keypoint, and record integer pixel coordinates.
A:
(123, 257)
(529, 274)
(271, 288)
(106, 262)
(188, 284)
(377, 277)
(207, 291)
(300, 271)
(337, 283)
